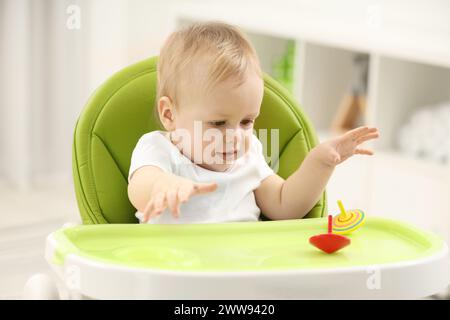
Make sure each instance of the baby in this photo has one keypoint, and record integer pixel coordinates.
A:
(207, 166)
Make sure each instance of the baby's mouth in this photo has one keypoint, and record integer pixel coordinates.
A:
(228, 155)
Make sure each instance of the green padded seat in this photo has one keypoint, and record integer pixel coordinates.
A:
(120, 111)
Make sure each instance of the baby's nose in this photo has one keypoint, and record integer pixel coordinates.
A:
(233, 137)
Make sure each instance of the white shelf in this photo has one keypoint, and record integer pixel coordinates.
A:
(402, 87)
(326, 79)
(421, 34)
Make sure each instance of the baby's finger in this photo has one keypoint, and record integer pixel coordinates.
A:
(159, 204)
(173, 202)
(200, 188)
(159, 200)
(364, 151)
(355, 133)
(367, 137)
(147, 210)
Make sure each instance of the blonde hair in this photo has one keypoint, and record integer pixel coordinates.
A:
(222, 48)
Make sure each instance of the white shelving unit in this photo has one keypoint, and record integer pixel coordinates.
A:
(409, 66)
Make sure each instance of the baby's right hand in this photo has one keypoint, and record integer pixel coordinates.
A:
(171, 193)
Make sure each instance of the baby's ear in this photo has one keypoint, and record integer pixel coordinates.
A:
(166, 113)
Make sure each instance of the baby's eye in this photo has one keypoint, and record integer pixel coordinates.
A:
(217, 123)
(247, 122)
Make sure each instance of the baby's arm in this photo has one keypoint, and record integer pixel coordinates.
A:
(295, 197)
(151, 190)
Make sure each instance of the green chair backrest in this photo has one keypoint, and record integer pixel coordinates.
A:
(121, 110)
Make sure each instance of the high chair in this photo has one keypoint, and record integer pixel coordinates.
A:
(110, 256)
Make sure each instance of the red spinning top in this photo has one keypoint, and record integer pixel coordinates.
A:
(329, 242)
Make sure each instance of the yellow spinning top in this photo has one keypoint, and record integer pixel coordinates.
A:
(348, 221)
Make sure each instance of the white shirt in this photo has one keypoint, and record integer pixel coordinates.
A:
(233, 200)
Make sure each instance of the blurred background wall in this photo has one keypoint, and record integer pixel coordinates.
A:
(49, 70)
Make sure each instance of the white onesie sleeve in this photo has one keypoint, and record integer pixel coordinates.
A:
(151, 149)
(264, 169)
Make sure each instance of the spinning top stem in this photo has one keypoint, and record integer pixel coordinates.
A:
(330, 223)
(344, 214)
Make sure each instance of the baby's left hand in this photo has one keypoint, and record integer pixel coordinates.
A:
(337, 150)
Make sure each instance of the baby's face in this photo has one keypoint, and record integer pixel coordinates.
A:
(219, 123)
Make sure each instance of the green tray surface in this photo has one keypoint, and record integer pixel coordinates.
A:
(243, 246)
